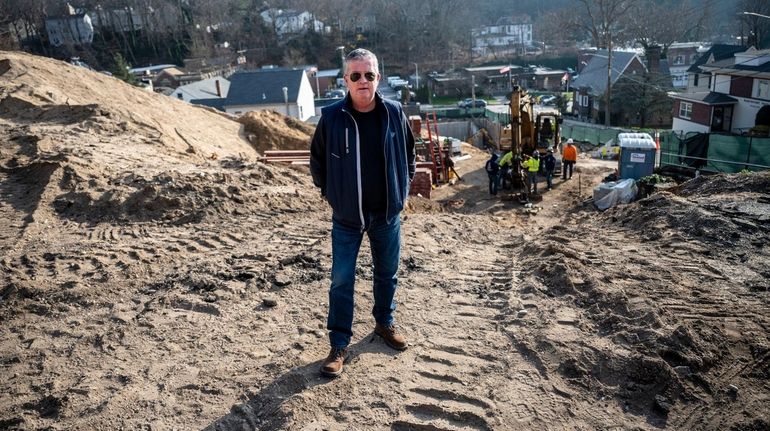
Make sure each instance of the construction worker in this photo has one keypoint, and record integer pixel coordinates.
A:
(549, 165)
(532, 165)
(493, 171)
(569, 156)
(506, 169)
(450, 166)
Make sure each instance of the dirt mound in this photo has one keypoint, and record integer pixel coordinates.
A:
(724, 209)
(107, 114)
(707, 185)
(417, 204)
(101, 150)
(270, 130)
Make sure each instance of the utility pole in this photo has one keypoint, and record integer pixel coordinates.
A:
(473, 90)
(342, 58)
(286, 99)
(607, 111)
(417, 74)
(317, 89)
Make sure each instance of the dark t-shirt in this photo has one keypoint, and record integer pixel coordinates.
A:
(373, 188)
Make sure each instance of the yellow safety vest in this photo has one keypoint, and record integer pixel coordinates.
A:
(532, 164)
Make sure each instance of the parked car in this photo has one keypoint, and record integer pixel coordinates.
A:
(78, 62)
(412, 94)
(468, 103)
(548, 100)
(335, 94)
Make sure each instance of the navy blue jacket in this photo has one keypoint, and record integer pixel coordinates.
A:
(335, 160)
(550, 163)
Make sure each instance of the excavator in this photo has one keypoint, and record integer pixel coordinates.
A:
(530, 129)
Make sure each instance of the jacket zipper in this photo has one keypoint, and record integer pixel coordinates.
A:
(385, 155)
(358, 170)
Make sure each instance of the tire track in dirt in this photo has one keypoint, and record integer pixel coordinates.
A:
(462, 370)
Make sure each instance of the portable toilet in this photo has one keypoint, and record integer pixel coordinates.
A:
(637, 155)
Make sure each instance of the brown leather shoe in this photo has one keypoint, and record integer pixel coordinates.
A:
(332, 365)
(391, 336)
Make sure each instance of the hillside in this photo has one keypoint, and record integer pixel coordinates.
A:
(155, 275)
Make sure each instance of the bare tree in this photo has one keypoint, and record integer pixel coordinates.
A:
(603, 21)
(755, 21)
(645, 26)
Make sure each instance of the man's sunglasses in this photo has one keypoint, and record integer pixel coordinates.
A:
(355, 76)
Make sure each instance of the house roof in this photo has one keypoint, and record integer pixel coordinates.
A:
(684, 45)
(211, 103)
(551, 72)
(706, 97)
(173, 71)
(594, 75)
(150, 69)
(328, 72)
(743, 65)
(205, 89)
(490, 68)
(719, 52)
(261, 87)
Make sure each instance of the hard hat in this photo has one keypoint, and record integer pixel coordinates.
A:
(569, 141)
(536, 153)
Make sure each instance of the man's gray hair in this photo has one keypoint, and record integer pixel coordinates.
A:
(359, 54)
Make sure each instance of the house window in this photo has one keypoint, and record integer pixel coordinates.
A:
(679, 59)
(685, 110)
(179, 95)
(763, 89)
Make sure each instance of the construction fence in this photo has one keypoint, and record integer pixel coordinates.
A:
(716, 153)
(705, 152)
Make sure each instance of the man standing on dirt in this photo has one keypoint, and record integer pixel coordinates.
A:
(569, 156)
(362, 158)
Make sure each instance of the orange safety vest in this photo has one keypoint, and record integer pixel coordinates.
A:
(570, 153)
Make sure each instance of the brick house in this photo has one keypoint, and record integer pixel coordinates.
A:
(739, 87)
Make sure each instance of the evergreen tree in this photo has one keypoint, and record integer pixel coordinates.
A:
(120, 70)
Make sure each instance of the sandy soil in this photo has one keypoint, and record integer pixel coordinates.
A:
(156, 276)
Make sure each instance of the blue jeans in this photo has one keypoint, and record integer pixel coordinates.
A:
(549, 179)
(494, 183)
(531, 182)
(385, 243)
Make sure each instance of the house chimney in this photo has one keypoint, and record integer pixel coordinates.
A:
(653, 58)
(219, 90)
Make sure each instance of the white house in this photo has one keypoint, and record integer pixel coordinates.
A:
(738, 88)
(287, 91)
(681, 56)
(508, 35)
(73, 28)
(292, 22)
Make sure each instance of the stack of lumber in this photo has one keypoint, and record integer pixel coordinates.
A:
(294, 157)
